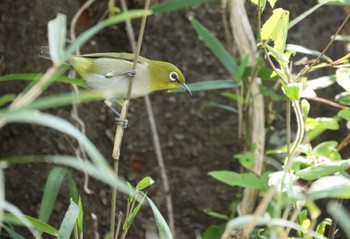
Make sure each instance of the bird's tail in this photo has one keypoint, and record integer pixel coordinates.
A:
(45, 52)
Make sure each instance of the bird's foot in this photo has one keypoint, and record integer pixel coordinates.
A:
(122, 122)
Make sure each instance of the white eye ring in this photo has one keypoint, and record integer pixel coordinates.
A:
(173, 76)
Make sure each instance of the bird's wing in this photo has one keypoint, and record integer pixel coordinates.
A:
(122, 56)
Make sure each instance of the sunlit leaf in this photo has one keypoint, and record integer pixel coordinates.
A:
(343, 78)
(315, 127)
(57, 38)
(327, 149)
(304, 50)
(336, 186)
(276, 28)
(144, 183)
(323, 169)
(292, 90)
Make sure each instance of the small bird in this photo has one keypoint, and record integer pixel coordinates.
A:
(110, 73)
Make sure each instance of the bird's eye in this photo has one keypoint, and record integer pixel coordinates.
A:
(173, 76)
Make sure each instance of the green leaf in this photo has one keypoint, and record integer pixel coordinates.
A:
(172, 5)
(163, 228)
(105, 175)
(336, 186)
(315, 127)
(80, 219)
(215, 46)
(216, 215)
(135, 211)
(213, 232)
(38, 76)
(64, 99)
(69, 221)
(343, 78)
(304, 221)
(210, 85)
(36, 223)
(59, 124)
(7, 98)
(343, 98)
(276, 29)
(272, 3)
(345, 114)
(246, 159)
(144, 183)
(245, 180)
(292, 90)
(287, 185)
(51, 189)
(327, 149)
(321, 227)
(323, 169)
(57, 38)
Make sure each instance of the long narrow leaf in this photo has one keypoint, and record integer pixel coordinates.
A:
(69, 221)
(59, 124)
(51, 189)
(36, 223)
(58, 100)
(106, 175)
(172, 5)
(210, 85)
(163, 228)
(21, 217)
(216, 47)
(57, 37)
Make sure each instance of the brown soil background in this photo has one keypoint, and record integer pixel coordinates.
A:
(194, 140)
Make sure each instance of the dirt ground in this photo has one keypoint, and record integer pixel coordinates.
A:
(194, 140)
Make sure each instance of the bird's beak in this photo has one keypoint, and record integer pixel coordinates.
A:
(185, 87)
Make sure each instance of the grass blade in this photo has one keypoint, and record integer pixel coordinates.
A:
(163, 228)
(172, 5)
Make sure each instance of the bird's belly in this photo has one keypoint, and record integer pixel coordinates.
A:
(115, 83)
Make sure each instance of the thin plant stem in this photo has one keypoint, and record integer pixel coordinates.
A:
(123, 115)
(120, 218)
(327, 46)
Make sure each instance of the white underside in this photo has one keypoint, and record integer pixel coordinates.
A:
(117, 85)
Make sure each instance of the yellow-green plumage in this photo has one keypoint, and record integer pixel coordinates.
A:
(108, 73)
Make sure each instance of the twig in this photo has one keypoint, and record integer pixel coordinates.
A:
(155, 135)
(327, 46)
(123, 114)
(328, 102)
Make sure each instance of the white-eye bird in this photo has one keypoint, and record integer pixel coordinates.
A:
(110, 73)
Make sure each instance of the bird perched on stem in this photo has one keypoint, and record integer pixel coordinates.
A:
(110, 73)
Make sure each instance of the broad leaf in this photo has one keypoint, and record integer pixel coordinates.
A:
(336, 186)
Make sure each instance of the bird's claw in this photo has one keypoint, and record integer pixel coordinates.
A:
(122, 122)
(131, 73)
